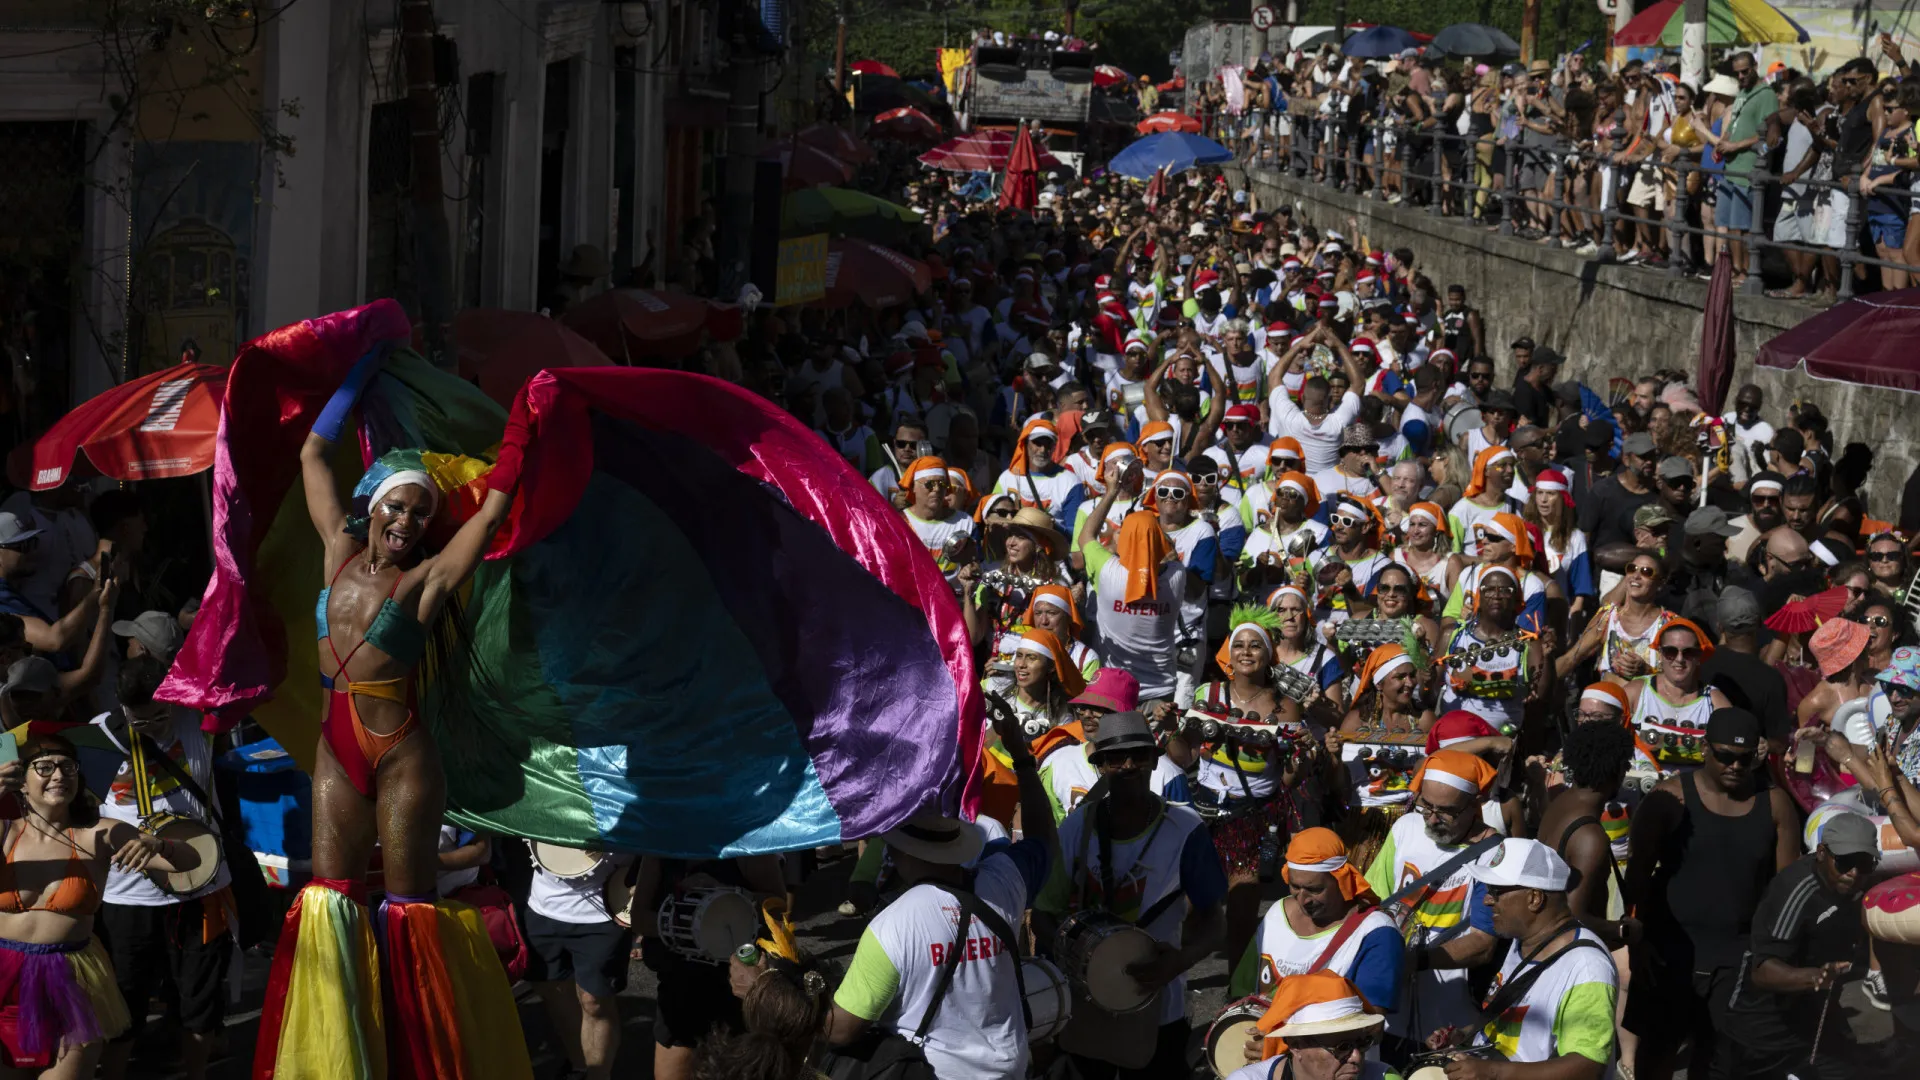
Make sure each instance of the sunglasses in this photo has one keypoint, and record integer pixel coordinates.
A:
(1140, 756)
(1427, 810)
(44, 768)
(1765, 500)
(1593, 716)
(1897, 690)
(1879, 620)
(1345, 1048)
(1862, 863)
(1496, 892)
(1342, 521)
(1206, 478)
(1394, 590)
(905, 444)
(1796, 565)
(1488, 536)
(1883, 556)
(1643, 570)
(1171, 494)
(1734, 757)
(1690, 653)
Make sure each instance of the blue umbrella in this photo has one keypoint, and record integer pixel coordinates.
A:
(1175, 151)
(1377, 41)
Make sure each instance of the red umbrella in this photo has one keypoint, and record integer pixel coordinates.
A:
(981, 151)
(1868, 341)
(904, 123)
(632, 326)
(1020, 189)
(1108, 75)
(873, 67)
(1715, 374)
(836, 141)
(1800, 616)
(1169, 121)
(153, 427)
(1178, 82)
(504, 348)
(872, 275)
(807, 166)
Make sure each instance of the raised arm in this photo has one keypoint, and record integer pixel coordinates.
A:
(73, 683)
(456, 562)
(316, 475)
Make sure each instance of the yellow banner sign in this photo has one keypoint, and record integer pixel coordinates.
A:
(802, 276)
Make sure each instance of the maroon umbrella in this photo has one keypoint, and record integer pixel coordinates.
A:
(872, 275)
(807, 166)
(981, 151)
(1716, 338)
(1020, 189)
(1869, 341)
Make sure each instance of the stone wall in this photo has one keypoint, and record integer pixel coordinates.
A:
(1610, 320)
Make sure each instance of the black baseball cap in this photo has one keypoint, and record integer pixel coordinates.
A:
(1733, 727)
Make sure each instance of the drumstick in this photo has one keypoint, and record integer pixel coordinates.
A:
(1821, 1028)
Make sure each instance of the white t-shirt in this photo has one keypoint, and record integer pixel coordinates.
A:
(1320, 442)
(1284, 953)
(1186, 539)
(1465, 514)
(121, 804)
(1044, 492)
(1333, 482)
(980, 1028)
(1069, 776)
(936, 534)
(1138, 638)
(1567, 1010)
(580, 900)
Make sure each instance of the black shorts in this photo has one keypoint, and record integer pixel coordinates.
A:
(693, 1000)
(150, 944)
(1668, 1002)
(593, 955)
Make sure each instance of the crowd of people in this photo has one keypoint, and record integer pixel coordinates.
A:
(1573, 140)
(1473, 716)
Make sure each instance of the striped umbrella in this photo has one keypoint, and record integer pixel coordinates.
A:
(981, 151)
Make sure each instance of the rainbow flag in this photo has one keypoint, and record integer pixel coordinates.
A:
(700, 633)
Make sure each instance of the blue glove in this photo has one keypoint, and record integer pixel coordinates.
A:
(334, 416)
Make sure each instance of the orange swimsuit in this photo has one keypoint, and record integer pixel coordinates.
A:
(76, 895)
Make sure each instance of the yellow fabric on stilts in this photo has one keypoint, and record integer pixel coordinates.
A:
(333, 1026)
(490, 1031)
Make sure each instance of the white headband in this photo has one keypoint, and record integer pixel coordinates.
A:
(1497, 568)
(1504, 455)
(1390, 666)
(1458, 783)
(1444, 743)
(1256, 628)
(1499, 530)
(1156, 437)
(1600, 696)
(402, 479)
(1296, 485)
(1028, 645)
(1425, 514)
(1327, 867)
(1337, 1009)
(1760, 487)
(1549, 485)
(1054, 600)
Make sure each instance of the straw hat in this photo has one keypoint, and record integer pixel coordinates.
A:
(1040, 524)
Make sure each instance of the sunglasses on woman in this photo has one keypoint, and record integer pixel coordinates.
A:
(1690, 653)
(1393, 590)
(1170, 494)
(1643, 570)
(1879, 620)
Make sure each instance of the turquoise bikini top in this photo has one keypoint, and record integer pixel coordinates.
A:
(392, 631)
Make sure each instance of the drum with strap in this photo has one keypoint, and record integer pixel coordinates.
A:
(707, 924)
(1228, 1034)
(1893, 910)
(173, 828)
(565, 863)
(1049, 998)
(1094, 948)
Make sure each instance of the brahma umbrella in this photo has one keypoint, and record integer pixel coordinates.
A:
(1173, 151)
(1020, 188)
(981, 151)
(502, 349)
(1379, 41)
(1476, 39)
(1106, 75)
(1729, 22)
(876, 276)
(1869, 341)
(149, 428)
(845, 212)
(905, 124)
(1169, 121)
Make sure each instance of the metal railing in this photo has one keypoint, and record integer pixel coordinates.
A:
(1323, 151)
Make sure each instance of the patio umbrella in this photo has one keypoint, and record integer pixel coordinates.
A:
(804, 166)
(1169, 121)
(1175, 152)
(1729, 22)
(981, 151)
(1868, 341)
(836, 141)
(1107, 75)
(845, 212)
(502, 349)
(635, 326)
(1378, 41)
(873, 67)
(1021, 187)
(1715, 373)
(149, 428)
(872, 275)
(904, 124)
(1476, 39)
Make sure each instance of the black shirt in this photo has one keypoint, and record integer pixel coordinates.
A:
(1752, 684)
(1802, 923)
(1535, 407)
(1606, 515)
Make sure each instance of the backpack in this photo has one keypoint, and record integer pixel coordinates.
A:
(502, 922)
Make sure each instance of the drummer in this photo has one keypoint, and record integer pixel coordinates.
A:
(154, 936)
(1446, 926)
(577, 960)
(694, 1000)
(1067, 773)
(1329, 921)
(1172, 887)
(1553, 1025)
(1321, 1027)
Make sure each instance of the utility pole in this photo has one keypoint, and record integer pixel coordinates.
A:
(432, 259)
(1529, 30)
(1693, 44)
(840, 52)
(743, 146)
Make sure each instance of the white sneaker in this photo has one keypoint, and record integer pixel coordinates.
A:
(1588, 248)
(1874, 986)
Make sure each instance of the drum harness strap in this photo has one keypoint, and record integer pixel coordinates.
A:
(141, 749)
(971, 908)
(1530, 970)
